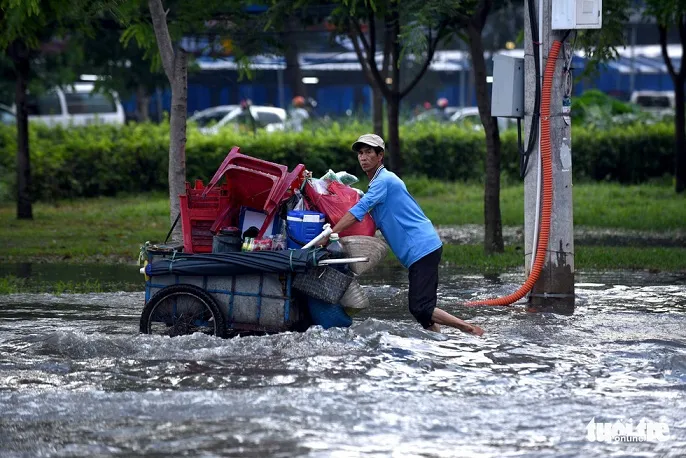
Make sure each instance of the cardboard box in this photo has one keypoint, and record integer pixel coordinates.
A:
(250, 217)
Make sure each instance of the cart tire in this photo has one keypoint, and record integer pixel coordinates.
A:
(178, 310)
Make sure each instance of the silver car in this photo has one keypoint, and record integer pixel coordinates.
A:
(212, 120)
(469, 116)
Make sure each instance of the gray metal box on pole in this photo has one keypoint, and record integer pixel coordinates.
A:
(507, 95)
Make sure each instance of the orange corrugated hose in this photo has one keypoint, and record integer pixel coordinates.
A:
(547, 165)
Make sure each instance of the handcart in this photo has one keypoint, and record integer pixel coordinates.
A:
(226, 294)
(193, 288)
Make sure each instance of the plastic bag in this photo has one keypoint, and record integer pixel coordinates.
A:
(295, 202)
(336, 203)
(346, 178)
(341, 177)
(300, 205)
(330, 176)
(319, 185)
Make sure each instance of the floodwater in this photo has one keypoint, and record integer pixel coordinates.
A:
(76, 378)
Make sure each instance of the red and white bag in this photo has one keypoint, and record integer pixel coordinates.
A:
(335, 205)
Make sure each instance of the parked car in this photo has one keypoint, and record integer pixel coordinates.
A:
(206, 118)
(212, 120)
(7, 116)
(433, 114)
(660, 103)
(76, 105)
(469, 116)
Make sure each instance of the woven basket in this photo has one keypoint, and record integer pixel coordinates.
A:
(324, 283)
(354, 300)
(364, 246)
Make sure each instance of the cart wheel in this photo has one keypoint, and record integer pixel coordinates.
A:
(178, 310)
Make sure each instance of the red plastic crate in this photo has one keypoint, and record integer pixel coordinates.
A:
(249, 182)
(198, 213)
(236, 158)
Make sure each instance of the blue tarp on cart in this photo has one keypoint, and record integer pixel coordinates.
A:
(242, 263)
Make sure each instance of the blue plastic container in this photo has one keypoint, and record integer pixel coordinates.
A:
(328, 315)
(303, 226)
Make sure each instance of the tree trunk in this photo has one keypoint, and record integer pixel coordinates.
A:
(680, 141)
(177, 137)
(175, 66)
(20, 58)
(678, 79)
(377, 110)
(293, 73)
(393, 96)
(395, 157)
(377, 94)
(493, 230)
(142, 103)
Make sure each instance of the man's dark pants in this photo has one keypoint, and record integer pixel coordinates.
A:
(422, 296)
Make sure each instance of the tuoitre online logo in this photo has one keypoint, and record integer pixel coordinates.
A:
(626, 431)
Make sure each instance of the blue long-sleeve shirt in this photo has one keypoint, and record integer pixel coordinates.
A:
(408, 231)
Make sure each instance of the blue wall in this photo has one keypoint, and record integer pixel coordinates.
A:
(335, 99)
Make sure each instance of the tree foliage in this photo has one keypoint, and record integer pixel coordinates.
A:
(36, 21)
(600, 45)
(29, 27)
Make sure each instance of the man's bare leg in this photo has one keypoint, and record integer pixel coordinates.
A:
(442, 317)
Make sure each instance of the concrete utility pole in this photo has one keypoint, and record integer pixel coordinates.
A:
(554, 290)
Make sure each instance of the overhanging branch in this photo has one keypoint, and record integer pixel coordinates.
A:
(395, 52)
(433, 44)
(352, 34)
(371, 61)
(482, 12)
(363, 39)
(387, 42)
(372, 34)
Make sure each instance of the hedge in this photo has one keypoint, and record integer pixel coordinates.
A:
(104, 160)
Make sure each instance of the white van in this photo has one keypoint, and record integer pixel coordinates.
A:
(75, 105)
(661, 103)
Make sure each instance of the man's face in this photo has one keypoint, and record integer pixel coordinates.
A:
(368, 158)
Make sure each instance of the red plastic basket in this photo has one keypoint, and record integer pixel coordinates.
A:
(249, 182)
(198, 213)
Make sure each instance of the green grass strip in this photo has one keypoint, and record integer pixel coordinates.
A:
(113, 229)
(607, 205)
